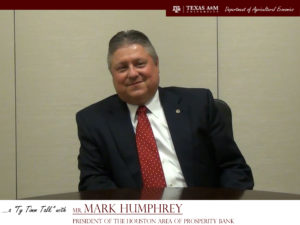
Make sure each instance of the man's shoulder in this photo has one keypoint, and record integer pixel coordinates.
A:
(101, 106)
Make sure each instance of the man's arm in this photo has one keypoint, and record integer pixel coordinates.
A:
(234, 171)
(93, 173)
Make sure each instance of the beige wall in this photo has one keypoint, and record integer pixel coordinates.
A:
(259, 77)
(7, 107)
(61, 67)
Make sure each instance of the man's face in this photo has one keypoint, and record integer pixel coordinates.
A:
(135, 74)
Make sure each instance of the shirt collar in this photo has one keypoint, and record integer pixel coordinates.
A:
(153, 106)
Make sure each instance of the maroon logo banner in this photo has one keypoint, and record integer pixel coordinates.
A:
(173, 7)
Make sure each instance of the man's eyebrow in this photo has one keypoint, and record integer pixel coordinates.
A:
(140, 60)
(121, 64)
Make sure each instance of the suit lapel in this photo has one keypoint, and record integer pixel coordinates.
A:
(176, 112)
(123, 133)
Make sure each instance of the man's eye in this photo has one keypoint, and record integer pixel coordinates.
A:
(121, 69)
(141, 64)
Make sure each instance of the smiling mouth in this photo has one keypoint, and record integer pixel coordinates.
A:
(132, 84)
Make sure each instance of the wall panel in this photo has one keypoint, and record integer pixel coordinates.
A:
(7, 107)
(259, 77)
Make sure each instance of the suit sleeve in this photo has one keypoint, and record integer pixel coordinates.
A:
(93, 172)
(234, 171)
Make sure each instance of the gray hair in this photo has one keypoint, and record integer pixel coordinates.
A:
(130, 37)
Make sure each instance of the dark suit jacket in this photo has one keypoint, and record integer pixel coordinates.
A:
(207, 154)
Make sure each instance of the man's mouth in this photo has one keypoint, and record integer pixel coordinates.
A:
(134, 83)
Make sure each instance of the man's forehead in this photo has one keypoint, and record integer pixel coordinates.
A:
(133, 47)
(130, 51)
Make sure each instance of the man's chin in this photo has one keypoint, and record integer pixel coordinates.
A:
(137, 98)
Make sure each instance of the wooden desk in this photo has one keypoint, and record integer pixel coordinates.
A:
(191, 193)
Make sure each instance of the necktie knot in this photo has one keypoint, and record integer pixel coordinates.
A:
(142, 110)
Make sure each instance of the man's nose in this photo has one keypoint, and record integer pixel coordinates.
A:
(132, 72)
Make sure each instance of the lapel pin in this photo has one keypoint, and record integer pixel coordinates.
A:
(178, 111)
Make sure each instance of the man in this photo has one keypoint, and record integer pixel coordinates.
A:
(188, 133)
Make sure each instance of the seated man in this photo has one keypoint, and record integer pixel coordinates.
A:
(149, 136)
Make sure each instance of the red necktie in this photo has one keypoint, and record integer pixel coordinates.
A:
(151, 168)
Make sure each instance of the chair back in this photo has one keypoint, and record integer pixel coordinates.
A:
(225, 110)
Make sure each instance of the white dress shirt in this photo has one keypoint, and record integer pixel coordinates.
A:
(171, 167)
